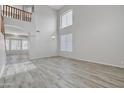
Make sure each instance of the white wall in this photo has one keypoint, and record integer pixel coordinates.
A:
(2, 53)
(98, 34)
(42, 45)
(22, 26)
(18, 6)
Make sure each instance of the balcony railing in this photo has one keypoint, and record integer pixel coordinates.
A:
(16, 13)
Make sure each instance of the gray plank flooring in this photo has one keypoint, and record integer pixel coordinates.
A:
(60, 72)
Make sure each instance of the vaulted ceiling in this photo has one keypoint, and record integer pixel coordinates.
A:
(56, 7)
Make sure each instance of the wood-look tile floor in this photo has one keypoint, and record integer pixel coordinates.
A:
(59, 72)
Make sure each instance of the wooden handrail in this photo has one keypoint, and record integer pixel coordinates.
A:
(2, 25)
(12, 12)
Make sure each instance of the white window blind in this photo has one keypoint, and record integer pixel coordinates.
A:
(66, 19)
(7, 44)
(15, 45)
(63, 43)
(24, 44)
(66, 43)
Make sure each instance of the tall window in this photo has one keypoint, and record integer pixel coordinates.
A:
(15, 45)
(66, 42)
(7, 44)
(66, 19)
(24, 44)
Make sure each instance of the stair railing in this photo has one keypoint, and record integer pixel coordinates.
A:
(12, 12)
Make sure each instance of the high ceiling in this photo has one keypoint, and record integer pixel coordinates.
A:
(56, 7)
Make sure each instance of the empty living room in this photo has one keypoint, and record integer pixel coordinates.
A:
(61, 46)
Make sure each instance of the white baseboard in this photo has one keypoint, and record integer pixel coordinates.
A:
(75, 58)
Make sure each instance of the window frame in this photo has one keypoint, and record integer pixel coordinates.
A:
(7, 49)
(17, 40)
(22, 44)
(66, 43)
(70, 10)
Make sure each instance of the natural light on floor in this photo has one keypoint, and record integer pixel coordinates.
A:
(18, 68)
